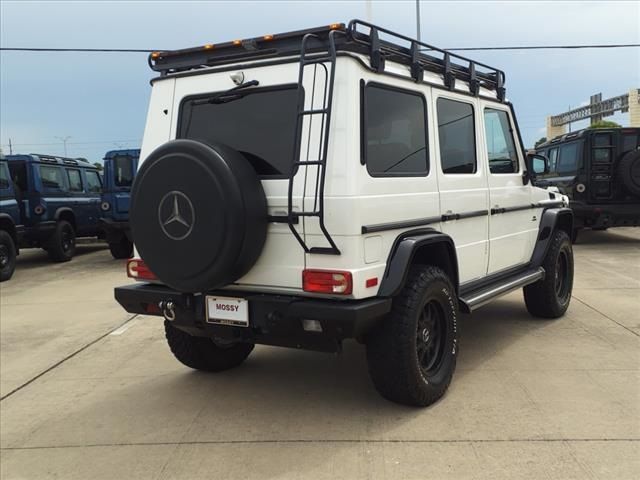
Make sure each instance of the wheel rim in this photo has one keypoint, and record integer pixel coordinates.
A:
(430, 338)
(562, 273)
(67, 239)
(4, 256)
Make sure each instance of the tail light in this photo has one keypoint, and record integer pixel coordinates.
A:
(327, 281)
(137, 269)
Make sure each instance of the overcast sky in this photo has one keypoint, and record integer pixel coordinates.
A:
(100, 100)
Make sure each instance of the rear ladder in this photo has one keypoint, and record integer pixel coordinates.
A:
(325, 62)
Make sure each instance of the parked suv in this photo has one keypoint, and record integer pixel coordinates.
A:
(120, 167)
(599, 170)
(309, 187)
(11, 228)
(59, 200)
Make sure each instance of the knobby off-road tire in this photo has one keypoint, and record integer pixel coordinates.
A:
(412, 353)
(550, 297)
(7, 256)
(123, 248)
(61, 247)
(202, 353)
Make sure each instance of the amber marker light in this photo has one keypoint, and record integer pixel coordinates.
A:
(267, 37)
(237, 42)
(208, 46)
(155, 55)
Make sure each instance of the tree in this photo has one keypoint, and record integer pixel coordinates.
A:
(604, 124)
(98, 165)
(540, 142)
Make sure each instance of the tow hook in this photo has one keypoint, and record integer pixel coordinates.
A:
(168, 309)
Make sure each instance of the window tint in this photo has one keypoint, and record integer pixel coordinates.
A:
(18, 172)
(260, 124)
(602, 155)
(553, 159)
(94, 185)
(501, 148)
(75, 180)
(123, 171)
(51, 177)
(602, 140)
(630, 142)
(568, 158)
(4, 176)
(457, 136)
(394, 132)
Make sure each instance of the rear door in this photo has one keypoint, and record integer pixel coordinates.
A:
(513, 225)
(259, 122)
(462, 179)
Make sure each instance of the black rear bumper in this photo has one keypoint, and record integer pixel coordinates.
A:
(273, 319)
(606, 215)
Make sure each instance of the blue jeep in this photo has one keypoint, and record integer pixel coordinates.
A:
(10, 226)
(59, 200)
(120, 167)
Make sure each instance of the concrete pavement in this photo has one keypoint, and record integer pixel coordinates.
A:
(98, 396)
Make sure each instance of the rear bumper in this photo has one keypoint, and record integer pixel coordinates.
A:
(273, 319)
(606, 215)
(115, 229)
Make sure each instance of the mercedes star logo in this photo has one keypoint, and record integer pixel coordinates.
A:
(176, 215)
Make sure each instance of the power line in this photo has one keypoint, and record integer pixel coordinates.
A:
(520, 47)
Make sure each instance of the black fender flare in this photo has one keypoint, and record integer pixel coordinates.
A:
(5, 219)
(552, 220)
(63, 210)
(403, 252)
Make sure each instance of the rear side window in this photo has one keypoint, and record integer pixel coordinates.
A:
(123, 171)
(630, 141)
(94, 185)
(457, 138)
(260, 124)
(568, 158)
(51, 177)
(75, 180)
(395, 137)
(501, 148)
(4, 177)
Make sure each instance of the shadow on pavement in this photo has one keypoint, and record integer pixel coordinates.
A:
(617, 236)
(30, 258)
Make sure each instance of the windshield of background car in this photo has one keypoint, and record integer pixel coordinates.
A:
(123, 171)
(260, 124)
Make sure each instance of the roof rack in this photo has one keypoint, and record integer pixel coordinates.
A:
(417, 55)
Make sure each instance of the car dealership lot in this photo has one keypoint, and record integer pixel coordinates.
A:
(89, 392)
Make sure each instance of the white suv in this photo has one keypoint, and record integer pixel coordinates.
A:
(309, 187)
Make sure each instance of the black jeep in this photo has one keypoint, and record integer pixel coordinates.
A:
(599, 170)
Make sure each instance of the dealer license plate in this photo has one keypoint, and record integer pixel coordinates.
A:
(228, 311)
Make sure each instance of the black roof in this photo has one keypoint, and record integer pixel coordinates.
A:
(357, 36)
(565, 137)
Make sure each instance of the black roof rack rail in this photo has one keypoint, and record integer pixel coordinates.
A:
(419, 56)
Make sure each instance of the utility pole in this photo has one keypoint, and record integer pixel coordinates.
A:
(367, 9)
(10, 148)
(64, 142)
(418, 19)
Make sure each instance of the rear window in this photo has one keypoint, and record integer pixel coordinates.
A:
(260, 124)
(51, 177)
(123, 171)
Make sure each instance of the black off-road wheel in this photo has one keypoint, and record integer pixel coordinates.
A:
(201, 353)
(550, 297)
(7, 256)
(412, 353)
(61, 247)
(123, 248)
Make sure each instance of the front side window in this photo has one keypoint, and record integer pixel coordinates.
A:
(94, 185)
(553, 159)
(456, 133)
(258, 123)
(568, 159)
(75, 180)
(501, 149)
(395, 139)
(51, 177)
(123, 171)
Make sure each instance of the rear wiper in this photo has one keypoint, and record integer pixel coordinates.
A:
(227, 96)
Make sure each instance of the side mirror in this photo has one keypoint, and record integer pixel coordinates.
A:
(537, 164)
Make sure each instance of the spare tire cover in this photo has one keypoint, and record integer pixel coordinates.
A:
(198, 215)
(629, 169)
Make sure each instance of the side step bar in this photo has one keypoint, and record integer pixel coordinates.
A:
(476, 298)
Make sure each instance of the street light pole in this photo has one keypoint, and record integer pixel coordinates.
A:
(64, 142)
(418, 19)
